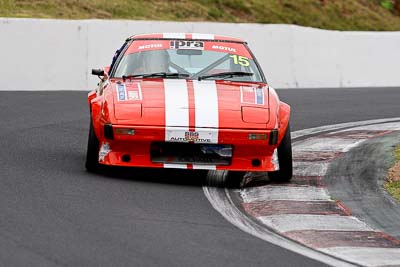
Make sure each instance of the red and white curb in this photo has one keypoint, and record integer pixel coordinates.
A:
(303, 212)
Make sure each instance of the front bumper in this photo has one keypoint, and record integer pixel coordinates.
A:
(147, 146)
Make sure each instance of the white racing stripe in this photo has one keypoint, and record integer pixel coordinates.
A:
(174, 35)
(176, 109)
(301, 222)
(203, 36)
(176, 113)
(206, 109)
(204, 167)
(175, 166)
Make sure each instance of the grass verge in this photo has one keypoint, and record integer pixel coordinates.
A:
(393, 184)
(377, 15)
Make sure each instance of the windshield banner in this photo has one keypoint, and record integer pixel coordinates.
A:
(223, 47)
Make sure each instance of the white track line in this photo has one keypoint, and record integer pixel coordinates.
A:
(334, 127)
(367, 256)
(304, 168)
(327, 144)
(266, 193)
(382, 127)
(299, 222)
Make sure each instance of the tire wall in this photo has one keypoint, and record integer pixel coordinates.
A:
(42, 54)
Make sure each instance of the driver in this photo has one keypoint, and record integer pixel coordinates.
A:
(155, 61)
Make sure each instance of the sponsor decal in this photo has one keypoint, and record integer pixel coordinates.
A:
(183, 139)
(121, 92)
(260, 96)
(134, 91)
(190, 136)
(150, 46)
(224, 48)
(252, 95)
(183, 44)
(104, 150)
(130, 91)
(134, 95)
(240, 60)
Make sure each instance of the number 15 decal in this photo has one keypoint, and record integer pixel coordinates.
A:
(242, 61)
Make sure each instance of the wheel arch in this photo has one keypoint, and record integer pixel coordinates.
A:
(283, 119)
(95, 112)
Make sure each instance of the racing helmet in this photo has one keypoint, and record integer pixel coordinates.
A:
(156, 61)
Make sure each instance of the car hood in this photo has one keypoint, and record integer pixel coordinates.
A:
(177, 103)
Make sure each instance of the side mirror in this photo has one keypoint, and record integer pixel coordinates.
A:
(98, 72)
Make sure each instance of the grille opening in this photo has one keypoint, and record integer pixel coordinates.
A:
(191, 153)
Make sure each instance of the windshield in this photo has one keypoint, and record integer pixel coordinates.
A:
(188, 59)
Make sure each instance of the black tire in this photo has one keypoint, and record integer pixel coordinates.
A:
(92, 152)
(285, 172)
(235, 179)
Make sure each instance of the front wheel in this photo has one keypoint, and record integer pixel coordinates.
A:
(92, 153)
(285, 172)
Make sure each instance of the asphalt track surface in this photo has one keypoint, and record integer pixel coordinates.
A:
(55, 213)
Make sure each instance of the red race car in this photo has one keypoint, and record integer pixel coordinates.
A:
(191, 101)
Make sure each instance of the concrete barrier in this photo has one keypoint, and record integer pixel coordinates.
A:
(42, 54)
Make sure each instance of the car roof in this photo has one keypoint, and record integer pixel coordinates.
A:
(185, 36)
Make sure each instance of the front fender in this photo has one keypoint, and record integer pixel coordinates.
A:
(283, 119)
(95, 112)
(91, 96)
